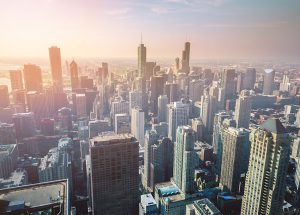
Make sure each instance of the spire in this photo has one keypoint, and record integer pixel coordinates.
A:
(141, 37)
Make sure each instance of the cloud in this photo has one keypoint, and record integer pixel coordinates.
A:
(159, 10)
(215, 3)
(117, 12)
(274, 24)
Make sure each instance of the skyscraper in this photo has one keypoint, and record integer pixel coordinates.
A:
(162, 108)
(16, 79)
(33, 77)
(4, 96)
(268, 87)
(236, 152)
(142, 54)
(56, 69)
(250, 78)
(178, 114)
(74, 75)
(229, 83)
(137, 124)
(209, 105)
(114, 174)
(21, 122)
(157, 88)
(243, 110)
(185, 61)
(266, 176)
(184, 159)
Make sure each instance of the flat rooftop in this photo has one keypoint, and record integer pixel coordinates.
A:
(111, 138)
(32, 196)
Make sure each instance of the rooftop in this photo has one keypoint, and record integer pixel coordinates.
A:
(36, 195)
(111, 138)
(274, 126)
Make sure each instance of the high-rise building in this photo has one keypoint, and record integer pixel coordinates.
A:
(172, 91)
(268, 87)
(137, 99)
(235, 158)
(266, 176)
(7, 134)
(285, 85)
(8, 159)
(243, 110)
(178, 114)
(185, 61)
(114, 174)
(119, 105)
(96, 127)
(162, 109)
(32, 77)
(196, 88)
(137, 124)
(229, 83)
(202, 207)
(16, 79)
(157, 88)
(21, 122)
(149, 70)
(184, 159)
(122, 123)
(55, 64)
(142, 55)
(4, 96)
(79, 102)
(209, 105)
(249, 79)
(74, 75)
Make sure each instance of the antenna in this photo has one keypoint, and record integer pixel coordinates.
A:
(141, 37)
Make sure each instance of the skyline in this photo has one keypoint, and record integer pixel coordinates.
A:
(218, 29)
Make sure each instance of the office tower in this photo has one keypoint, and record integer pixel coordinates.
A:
(148, 205)
(142, 54)
(209, 107)
(151, 137)
(184, 159)
(16, 79)
(7, 134)
(161, 129)
(137, 99)
(172, 91)
(36, 199)
(196, 88)
(122, 123)
(178, 114)
(65, 118)
(243, 109)
(21, 122)
(250, 79)
(266, 175)
(207, 75)
(19, 97)
(217, 141)
(55, 64)
(161, 162)
(235, 158)
(177, 65)
(198, 127)
(268, 87)
(8, 159)
(185, 61)
(240, 82)
(114, 174)
(137, 125)
(149, 70)
(57, 164)
(157, 88)
(202, 207)
(4, 96)
(229, 83)
(38, 104)
(119, 105)
(162, 108)
(32, 77)
(285, 85)
(74, 75)
(96, 127)
(296, 148)
(79, 103)
(86, 82)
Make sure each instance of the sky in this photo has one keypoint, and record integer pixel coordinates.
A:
(217, 29)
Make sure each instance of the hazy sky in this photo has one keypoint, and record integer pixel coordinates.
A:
(98, 28)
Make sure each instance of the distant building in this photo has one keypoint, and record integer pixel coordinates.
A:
(8, 159)
(185, 60)
(7, 134)
(142, 56)
(21, 122)
(122, 123)
(16, 79)
(243, 110)
(4, 96)
(137, 124)
(268, 87)
(162, 108)
(55, 64)
(32, 77)
(74, 75)
(202, 207)
(229, 83)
